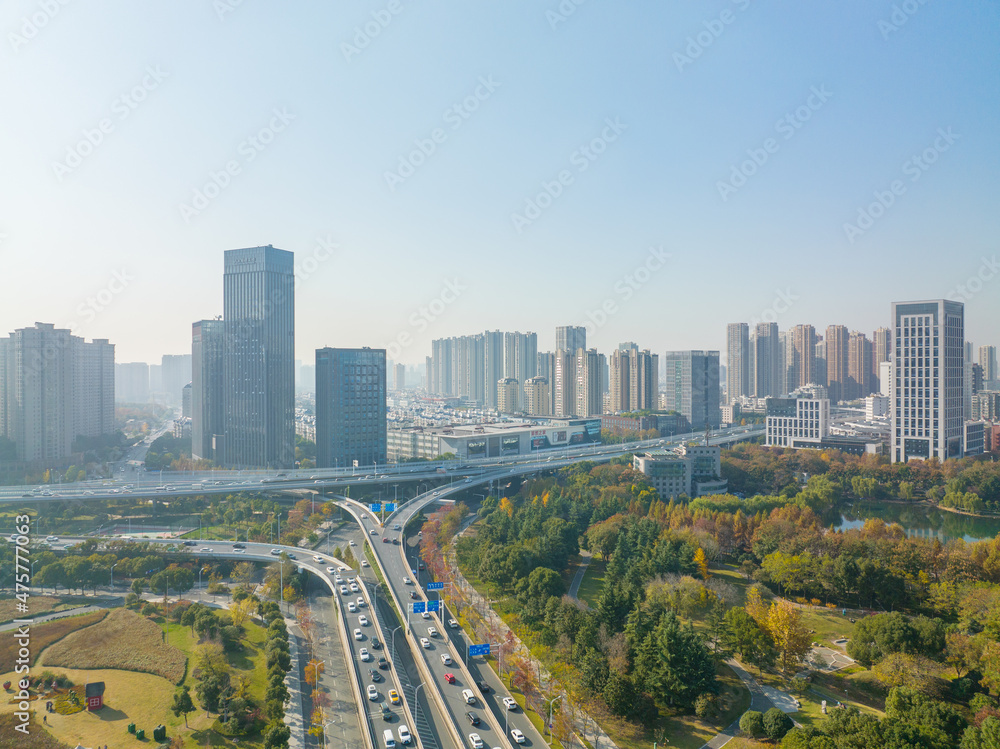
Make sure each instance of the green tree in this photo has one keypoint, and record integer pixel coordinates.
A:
(776, 724)
(673, 663)
(752, 724)
(620, 694)
(183, 704)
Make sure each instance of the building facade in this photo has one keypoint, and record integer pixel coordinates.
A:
(208, 344)
(350, 407)
(797, 422)
(694, 471)
(691, 385)
(737, 360)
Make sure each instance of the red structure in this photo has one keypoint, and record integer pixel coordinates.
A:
(95, 695)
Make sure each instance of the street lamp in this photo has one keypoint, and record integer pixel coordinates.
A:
(200, 570)
(557, 697)
(113, 576)
(392, 641)
(332, 720)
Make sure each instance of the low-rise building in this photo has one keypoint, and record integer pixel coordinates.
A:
(693, 471)
(491, 440)
(797, 422)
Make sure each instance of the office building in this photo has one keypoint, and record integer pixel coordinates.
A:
(207, 347)
(132, 382)
(927, 413)
(350, 407)
(571, 338)
(491, 440)
(737, 360)
(259, 358)
(692, 387)
(399, 376)
(988, 361)
(797, 422)
(692, 470)
(767, 360)
(54, 387)
(175, 373)
(537, 398)
(838, 347)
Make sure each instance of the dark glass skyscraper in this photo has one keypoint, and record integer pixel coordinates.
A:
(207, 347)
(259, 358)
(350, 407)
(692, 387)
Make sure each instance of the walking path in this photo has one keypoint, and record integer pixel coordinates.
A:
(574, 588)
(294, 718)
(759, 701)
(106, 604)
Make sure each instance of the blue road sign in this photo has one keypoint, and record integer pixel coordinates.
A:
(419, 607)
(375, 507)
(435, 586)
(433, 605)
(483, 649)
(390, 506)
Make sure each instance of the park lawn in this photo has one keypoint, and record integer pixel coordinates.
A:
(593, 582)
(39, 605)
(37, 737)
(43, 635)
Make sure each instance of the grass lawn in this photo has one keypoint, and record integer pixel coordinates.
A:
(39, 605)
(593, 581)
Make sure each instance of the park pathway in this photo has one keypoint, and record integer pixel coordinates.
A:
(758, 701)
(574, 588)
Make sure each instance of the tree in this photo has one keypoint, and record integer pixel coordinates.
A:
(277, 737)
(790, 636)
(752, 724)
(183, 704)
(139, 585)
(776, 724)
(701, 563)
(905, 670)
(879, 635)
(674, 663)
(620, 694)
(744, 636)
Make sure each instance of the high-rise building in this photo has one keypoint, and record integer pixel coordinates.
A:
(175, 374)
(399, 376)
(350, 407)
(803, 357)
(54, 387)
(988, 361)
(259, 358)
(588, 374)
(131, 382)
(692, 387)
(619, 386)
(546, 368)
(766, 361)
(208, 344)
(186, 401)
(571, 338)
(927, 412)
(537, 401)
(881, 352)
(493, 351)
(837, 363)
(507, 395)
(859, 365)
(737, 360)
(633, 380)
(821, 378)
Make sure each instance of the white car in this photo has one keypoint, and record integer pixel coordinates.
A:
(364, 563)
(446, 659)
(517, 736)
(365, 655)
(475, 741)
(52, 539)
(352, 542)
(453, 623)
(361, 602)
(406, 581)
(275, 552)
(372, 692)
(358, 635)
(351, 607)
(404, 735)
(510, 703)
(373, 532)
(432, 632)
(363, 620)
(354, 587)
(425, 615)
(317, 558)
(331, 571)
(469, 697)
(343, 590)
(424, 642)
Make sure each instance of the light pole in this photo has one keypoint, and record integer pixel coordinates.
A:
(332, 720)
(392, 641)
(200, 570)
(112, 576)
(557, 697)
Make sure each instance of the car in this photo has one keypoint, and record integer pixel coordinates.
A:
(404, 735)
(317, 558)
(239, 551)
(205, 550)
(406, 581)
(446, 659)
(365, 655)
(475, 741)
(413, 595)
(372, 692)
(469, 697)
(50, 539)
(420, 566)
(453, 623)
(424, 642)
(450, 678)
(332, 571)
(275, 552)
(432, 631)
(190, 543)
(363, 620)
(354, 587)
(373, 532)
(337, 578)
(510, 703)
(351, 607)
(472, 718)
(376, 676)
(517, 736)
(425, 615)
(292, 556)
(385, 539)
(352, 542)
(364, 563)
(343, 590)
(393, 696)
(383, 663)
(386, 712)
(483, 686)
(396, 541)
(397, 527)
(376, 643)
(358, 635)
(361, 602)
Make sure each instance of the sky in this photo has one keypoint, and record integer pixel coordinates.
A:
(653, 170)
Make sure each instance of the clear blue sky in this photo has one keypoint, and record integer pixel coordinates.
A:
(552, 83)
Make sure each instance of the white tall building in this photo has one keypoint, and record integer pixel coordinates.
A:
(537, 401)
(797, 422)
(929, 375)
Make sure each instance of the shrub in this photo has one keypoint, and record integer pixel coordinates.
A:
(776, 724)
(752, 724)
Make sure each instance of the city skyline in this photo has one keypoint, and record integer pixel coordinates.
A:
(645, 168)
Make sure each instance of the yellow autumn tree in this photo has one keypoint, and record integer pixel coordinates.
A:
(507, 506)
(790, 636)
(756, 607)
(240, 610)
(701, 562)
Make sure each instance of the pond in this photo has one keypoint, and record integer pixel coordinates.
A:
(922, 521)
